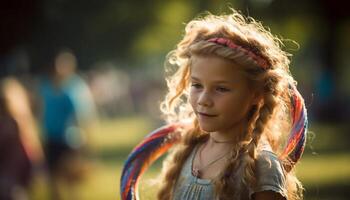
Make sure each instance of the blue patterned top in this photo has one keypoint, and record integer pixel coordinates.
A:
(271, 177)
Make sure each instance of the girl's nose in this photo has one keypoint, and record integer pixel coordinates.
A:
(204, 99)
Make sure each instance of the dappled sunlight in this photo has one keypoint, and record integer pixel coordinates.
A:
(116, 53)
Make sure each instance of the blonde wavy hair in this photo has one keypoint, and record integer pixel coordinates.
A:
(271, 83)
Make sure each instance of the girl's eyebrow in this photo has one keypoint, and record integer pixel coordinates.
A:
(194, 78)
(218, 81)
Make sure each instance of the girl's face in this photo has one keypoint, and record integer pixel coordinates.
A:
(220, 95)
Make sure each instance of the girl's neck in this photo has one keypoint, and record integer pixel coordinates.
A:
(219, 146)
(217, 137)
(230, 136)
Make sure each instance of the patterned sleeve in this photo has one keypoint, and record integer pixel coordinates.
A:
(270, 174)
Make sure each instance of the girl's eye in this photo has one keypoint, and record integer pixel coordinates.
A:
(196, 85)
(222, 89)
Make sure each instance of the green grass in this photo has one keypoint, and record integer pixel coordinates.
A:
(122, 132)
(323, 169)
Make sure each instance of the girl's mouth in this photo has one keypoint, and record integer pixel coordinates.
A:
(206, 115)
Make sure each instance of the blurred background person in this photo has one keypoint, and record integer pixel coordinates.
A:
(20, 149)
(79, 92)
(67, 115)
(20, 107)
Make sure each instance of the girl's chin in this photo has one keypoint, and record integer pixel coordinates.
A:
(207, 128)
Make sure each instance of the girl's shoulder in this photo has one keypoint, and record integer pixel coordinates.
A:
(270, 173)
(268, 162)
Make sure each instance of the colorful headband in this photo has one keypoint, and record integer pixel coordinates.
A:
(159, 141)
(297, 137)
(260, 61)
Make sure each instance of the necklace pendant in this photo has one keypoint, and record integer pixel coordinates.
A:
(196, 173)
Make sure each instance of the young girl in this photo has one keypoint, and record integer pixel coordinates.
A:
(233, 88)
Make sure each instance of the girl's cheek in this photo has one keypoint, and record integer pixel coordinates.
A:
(193, 93)
(192, 99)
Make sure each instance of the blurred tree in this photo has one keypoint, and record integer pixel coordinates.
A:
(94, 29)
(16, 21)
(135, 32)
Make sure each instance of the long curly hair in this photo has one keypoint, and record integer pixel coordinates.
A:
(272, 83)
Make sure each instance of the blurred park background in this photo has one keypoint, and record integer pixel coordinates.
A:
(114, 50)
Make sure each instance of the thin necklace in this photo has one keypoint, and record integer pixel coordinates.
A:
(197, 172)
(217, 141)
